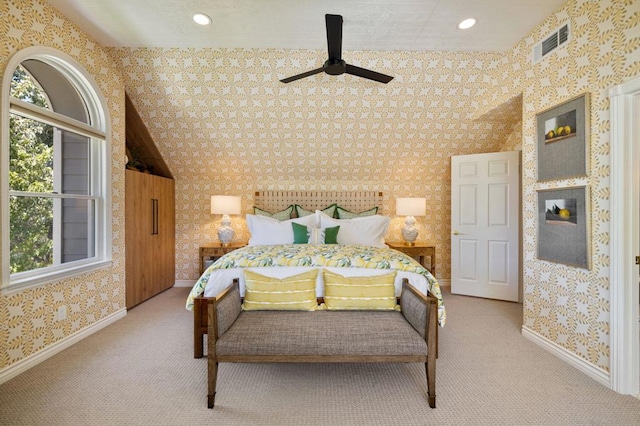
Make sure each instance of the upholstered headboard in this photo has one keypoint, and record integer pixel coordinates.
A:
(354, 201)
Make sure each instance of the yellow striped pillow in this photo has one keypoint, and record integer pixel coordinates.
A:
(295, 293)
(351, 293)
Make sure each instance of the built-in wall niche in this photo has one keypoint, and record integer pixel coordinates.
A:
(142, 153)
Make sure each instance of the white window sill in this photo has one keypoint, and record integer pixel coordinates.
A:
(49, 276)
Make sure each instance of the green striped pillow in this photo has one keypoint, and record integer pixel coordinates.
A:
(346, 214)
(281, 215)
(329, 211)
(295, 293)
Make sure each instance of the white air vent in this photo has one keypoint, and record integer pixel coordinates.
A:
(551, 43)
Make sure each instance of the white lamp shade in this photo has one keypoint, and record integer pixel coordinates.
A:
(411, 206)
(225, 204)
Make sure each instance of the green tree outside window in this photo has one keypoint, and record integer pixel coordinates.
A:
(30, 170)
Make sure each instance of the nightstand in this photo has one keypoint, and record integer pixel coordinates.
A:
(215, 251)
(418, 250)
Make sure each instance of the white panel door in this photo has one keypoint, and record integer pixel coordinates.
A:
(485, 225)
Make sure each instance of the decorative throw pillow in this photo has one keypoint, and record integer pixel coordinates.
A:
(331, 235)
(300, 233)
(295, 293)
(346, 214)
(323, 235)
(281, 215)
(329, 211)
(265, 230)
(316, 235)
(354, 293)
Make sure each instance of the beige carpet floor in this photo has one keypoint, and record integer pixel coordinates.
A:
(141, 371)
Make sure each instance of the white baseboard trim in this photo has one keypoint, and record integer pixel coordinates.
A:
(24, 364)
(444, 283)
(570, 358)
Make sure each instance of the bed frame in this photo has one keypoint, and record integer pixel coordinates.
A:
(354, 201)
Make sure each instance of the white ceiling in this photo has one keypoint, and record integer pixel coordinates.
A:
(411, 25)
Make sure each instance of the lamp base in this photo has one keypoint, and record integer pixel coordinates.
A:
(225, 232)
(410, 231)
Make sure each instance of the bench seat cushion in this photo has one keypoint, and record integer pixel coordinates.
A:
(321, 333)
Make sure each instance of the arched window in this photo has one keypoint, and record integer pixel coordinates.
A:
(55, 171)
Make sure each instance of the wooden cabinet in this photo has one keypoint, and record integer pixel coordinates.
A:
(213, 252)
(150, 235)
(419, 251)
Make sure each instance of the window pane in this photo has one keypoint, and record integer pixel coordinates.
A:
(77, 219)
(26, 88)
(43, 85)
(31, 233)
(46, 159)
(50, 231)
(30, 155)
(74, 159)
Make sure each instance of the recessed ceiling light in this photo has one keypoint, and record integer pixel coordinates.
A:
(202, 19)
(467, 23)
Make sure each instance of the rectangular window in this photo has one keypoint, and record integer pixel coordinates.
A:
(52, 212)
(56, 221)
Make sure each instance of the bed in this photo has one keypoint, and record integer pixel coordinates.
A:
(357, 249)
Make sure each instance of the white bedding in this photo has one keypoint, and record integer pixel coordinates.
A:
(220, 279)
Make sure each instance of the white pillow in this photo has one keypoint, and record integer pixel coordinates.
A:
(368, 230)
(266, 230)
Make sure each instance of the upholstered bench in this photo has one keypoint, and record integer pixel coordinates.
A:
(322, 336)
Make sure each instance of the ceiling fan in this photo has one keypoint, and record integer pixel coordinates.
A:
(335, 65)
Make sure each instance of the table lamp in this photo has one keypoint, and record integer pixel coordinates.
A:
(410, 207)
(225, 205)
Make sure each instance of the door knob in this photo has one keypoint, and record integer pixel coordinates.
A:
(457, 233)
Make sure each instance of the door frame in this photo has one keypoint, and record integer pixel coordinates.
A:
(625, 217)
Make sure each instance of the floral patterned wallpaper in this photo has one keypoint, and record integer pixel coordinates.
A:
(225, 125)
(27, 323)
(570, 306)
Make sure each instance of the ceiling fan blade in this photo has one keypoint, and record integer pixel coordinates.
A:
(303, 75)
(334, 36)
(371, 75)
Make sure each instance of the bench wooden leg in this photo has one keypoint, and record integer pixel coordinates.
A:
(213, 377)
(198, 346)
(198, 336)
(431, 384)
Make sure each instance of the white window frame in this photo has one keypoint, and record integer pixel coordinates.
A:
(99, 133)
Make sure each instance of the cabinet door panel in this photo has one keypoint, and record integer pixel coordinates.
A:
(150, 236)
(165, 257)
(137, 238)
